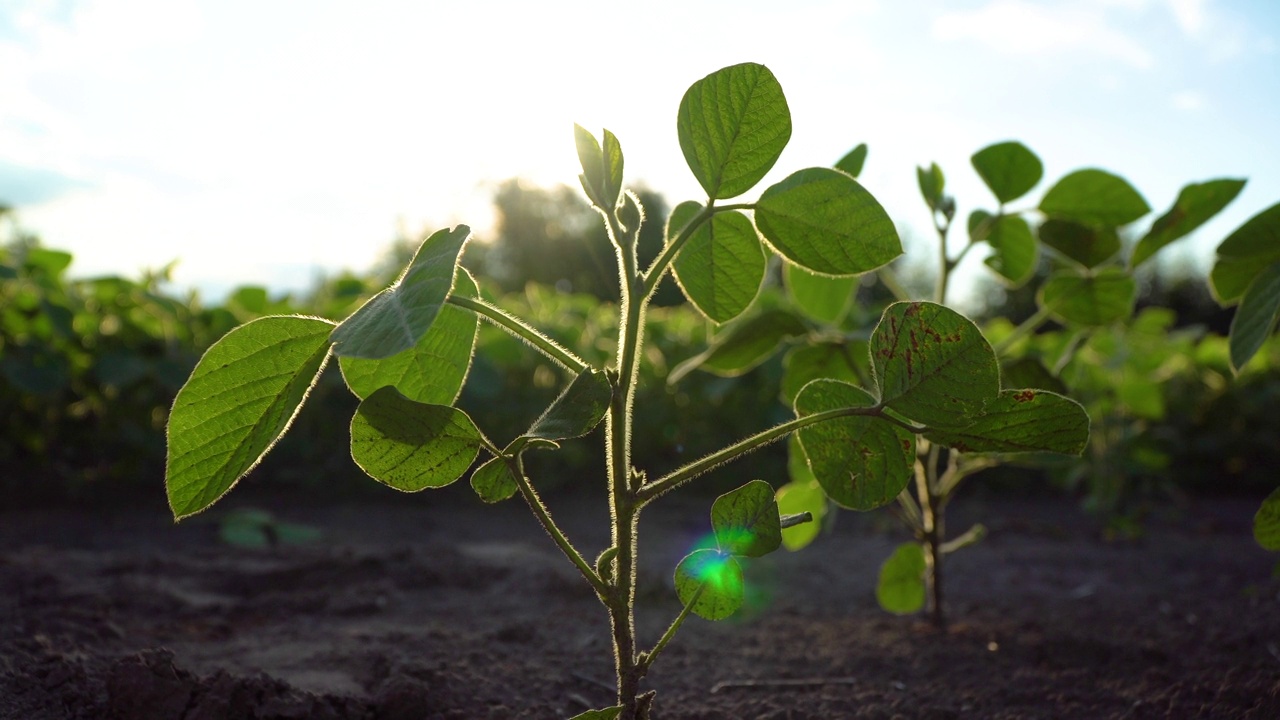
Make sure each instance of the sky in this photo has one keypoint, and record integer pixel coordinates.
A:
(270, 142)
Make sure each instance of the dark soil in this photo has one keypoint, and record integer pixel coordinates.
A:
(434, 606)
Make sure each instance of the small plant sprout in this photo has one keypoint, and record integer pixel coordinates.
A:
(934, 381)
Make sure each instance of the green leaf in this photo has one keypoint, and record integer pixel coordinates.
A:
(1022, 421)
(835, 361)
(980, 224)
(743, 345)
(612, 170)
(852, 163)
(1256, 317)
(1266, 523)
(710, 584)
(1196, 204)
(1028, 372)
(721, 266)
(493, 481)
(1010, 169)
(432, 371)
(396, 318)
(411, 446)
(591, 158)
(1092, 300)
(1086, 245)
(1245, 253)
(823, 220)
(1015, 252)
(239, 400)
(901, 587)
(861, 462)
(578, 409)
(822, 298)
(681, 216)
(802, 497)
(746, 520)
(932, 364)
(611, 713)
(733, 125)
(1094, 197)
(932, 184)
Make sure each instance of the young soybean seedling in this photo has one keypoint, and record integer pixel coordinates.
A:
(406, 352)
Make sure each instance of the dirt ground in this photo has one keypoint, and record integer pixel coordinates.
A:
(434, 606)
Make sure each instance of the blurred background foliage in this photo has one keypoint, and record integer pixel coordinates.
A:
(89, 368)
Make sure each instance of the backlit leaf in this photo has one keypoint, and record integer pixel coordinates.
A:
(412, 446)
(932, 364)
(800, 497)
(822, 298)
(1010, 169)
(836, 361)
(733, 125)
(605, 714)
(710, 583)
(1250, 249)
(932, 184)
(1256, 316)
(239, 400)
(721, 266)
(743, 345)
(852, 162)
(432, 371)
(1086, 245)
(1196, 204)
(1266, 523)
(901, 586)
(1097, 299)
(824, 220)
(1022, 421)
(493, 481)
(396, 318)
(578, 409)
(746, 520)
(861, 462)
(1094, 197)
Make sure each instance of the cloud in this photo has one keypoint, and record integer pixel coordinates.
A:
(1187, 100)
(1018, 27)
(21, 185)
(1189, 14)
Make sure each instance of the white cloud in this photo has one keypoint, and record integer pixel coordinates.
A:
(1188, 100)
(1019, 27)
(1189, 15)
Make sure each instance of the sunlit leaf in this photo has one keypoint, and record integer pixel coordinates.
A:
(1086, 245)
(1014, 250)
(612, 170)
(1266, 523)
(591, 159)
(605, 714)
(721, 266)
(1094, 197)
(853, 161)
(746, 520)
(1022, 421)
(1196, 204)
(1010, 169)
(412, 446)
(861, 462)
(824, 220)
(396, 318)
(1256, 316)
(578, 409)
(733, 125)
(932, 184)
(1092, 300)
(901, 586)
(822, 298)
(710, 583)
(239, 400)
(493, 481)
(743, 345)
(802, 497)
(932, 364)
(1250, 249)
(432, 371)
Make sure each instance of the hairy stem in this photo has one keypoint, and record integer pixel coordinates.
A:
(523, 331)
(932, 534)
(534, 501)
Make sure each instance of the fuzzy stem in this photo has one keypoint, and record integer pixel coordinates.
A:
(539, 508)
(522, 330)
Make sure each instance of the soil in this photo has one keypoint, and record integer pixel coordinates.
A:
(434, 606)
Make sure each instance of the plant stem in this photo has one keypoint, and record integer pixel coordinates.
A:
(523, 331)
(539, 509)
(680, 476)
(932, 534)
(671, 630)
